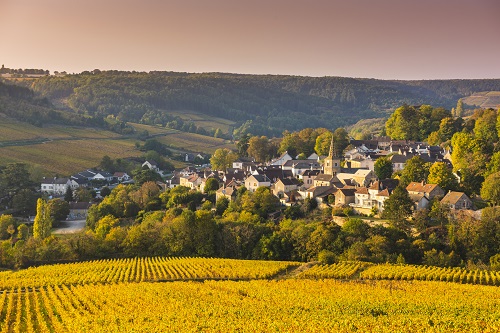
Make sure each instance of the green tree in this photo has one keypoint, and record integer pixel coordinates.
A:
(107, 164)
(398, 207)
(221, 206)
(259, 148)
(242, 145)
(142, 176)
(323, 142)
(442, 175)
(222, 159)
(5, 222)
(485, 128)
(493, 165)
(23, 232)
(68, 196)
(105, 224)
(211, 185)
(43, 220)
(459, 110)
(24, 202)
(383, 168)
(415, 170)
(403, 124)
(218, 133)
(58, 209)
(340, 141)
(491, 189)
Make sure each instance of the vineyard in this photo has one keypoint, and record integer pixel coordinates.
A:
(225, 295)
(140, 270)
(343, 270)
(431, 273)
(292, 305)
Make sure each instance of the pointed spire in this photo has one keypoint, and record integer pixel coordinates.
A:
(331, 148)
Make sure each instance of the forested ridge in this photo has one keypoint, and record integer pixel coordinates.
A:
(272, 103)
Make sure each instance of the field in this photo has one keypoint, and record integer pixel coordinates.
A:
(59, 150)
(86, 297)
(64, 157)
(203, 120)
(185, 141)
(489, 99)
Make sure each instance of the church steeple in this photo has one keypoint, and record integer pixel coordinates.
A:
(331, 148)
(331, 164)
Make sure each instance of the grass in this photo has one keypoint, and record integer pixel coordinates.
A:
(185, 141)
(64, 157)
(202, 120)
(61, 150)
(487, 99)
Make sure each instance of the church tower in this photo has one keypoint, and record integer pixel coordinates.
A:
(331, 164)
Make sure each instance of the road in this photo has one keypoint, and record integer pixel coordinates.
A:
(69, 227)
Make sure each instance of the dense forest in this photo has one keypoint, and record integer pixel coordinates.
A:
(260, 104)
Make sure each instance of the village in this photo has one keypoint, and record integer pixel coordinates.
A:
(336, 181)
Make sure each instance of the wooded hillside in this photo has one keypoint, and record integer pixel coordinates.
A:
(272, 103)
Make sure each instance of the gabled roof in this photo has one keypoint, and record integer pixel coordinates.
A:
(228, 190)
(397, 158)
(120, 174)
(453, 197)
(324, 177)
(309, 173)
(362, 172)
(417, 197)
(421, 188)
(289, 181)
(383, 193)
(261, 178)
(348, 192)
(55, 181)
(362, 190)
(319, 191)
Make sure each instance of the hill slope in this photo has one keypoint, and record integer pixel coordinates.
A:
(272, 103)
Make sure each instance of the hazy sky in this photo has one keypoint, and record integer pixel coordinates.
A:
(386, 39)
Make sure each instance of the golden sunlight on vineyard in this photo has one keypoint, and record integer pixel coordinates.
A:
(142, 269)
(254, 306)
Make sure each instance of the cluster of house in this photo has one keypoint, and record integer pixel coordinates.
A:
(355, 184)
(321, 178)
(58, 186)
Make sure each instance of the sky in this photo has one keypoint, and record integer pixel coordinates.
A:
(383, 39)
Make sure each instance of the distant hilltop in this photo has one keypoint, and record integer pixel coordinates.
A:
(27, 72)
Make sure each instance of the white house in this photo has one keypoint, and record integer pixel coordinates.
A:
(57, 186)
(282, 159)
(255, 181)
(152, 165)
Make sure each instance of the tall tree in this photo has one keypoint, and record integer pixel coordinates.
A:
(415, 170)
(442, 175)
(259, 148)
(383, 168)
(340, 141)
(58, 209)
(491, 189)
(485, 128)
(68, 196)
(459, 110)
(323, 142)
(398, 207)
(43, 220)
(222, 159)
(403, 124)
